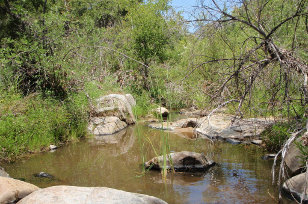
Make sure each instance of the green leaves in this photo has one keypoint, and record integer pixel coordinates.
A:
(149, 30)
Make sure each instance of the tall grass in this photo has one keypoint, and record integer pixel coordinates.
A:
(30, 124)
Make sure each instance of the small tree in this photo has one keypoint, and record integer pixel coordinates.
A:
(149, 33)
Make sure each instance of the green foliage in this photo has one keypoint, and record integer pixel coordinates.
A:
(275, 135)
(29, 124)
(64, 54)
(303, 148)
(149, 30)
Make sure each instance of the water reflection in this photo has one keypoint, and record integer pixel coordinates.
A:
(118, 143)
(241, 176)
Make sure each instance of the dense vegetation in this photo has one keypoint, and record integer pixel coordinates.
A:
(56, 57)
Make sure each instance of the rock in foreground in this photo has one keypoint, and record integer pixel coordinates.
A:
(181, 161)
(296, 187)
(12, 190)
(87, 195)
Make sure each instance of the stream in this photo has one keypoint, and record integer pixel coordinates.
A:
(115, 161)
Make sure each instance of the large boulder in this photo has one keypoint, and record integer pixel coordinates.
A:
(3, 173)
(106, 125)
(116, 105)
(87, 195)
(12, 190)
(293, 159)
(130, 100)
(297, 187)
(181, 161)
(220, 127)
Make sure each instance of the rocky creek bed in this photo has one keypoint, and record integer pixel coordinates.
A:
(114, 164)
(240, 175)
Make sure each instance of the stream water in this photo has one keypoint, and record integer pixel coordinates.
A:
(241, 176)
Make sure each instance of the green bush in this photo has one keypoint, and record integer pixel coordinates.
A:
(275, 135)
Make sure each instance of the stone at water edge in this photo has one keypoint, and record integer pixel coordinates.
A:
(233, 141)
(52, 147)
(257, 142)
(183, 123)
(268, 156)
(296, 186)
(221, 127)
(162, 126)
(87, 195)
(181, 161)
(107, 125)
(12, 190)
(293, 159)
(161, 111)
(116, 105)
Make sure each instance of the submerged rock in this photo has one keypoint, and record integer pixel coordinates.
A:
(3, 173)
(89, 195)
(185, 132)
(43, 175)
(162, 126)
(233, 141)
(296, 187)
(257, 142)
(268, 156)
(12, 190)
(181, 161)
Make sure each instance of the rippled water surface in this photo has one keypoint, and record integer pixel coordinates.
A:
(241, 176)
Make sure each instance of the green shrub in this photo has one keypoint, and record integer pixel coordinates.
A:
(275, 135)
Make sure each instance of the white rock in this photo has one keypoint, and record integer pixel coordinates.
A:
(87, 195)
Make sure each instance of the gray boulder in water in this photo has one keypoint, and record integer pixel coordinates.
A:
(87, 195)
(296, 188)
(111, 114)
(181, 161)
